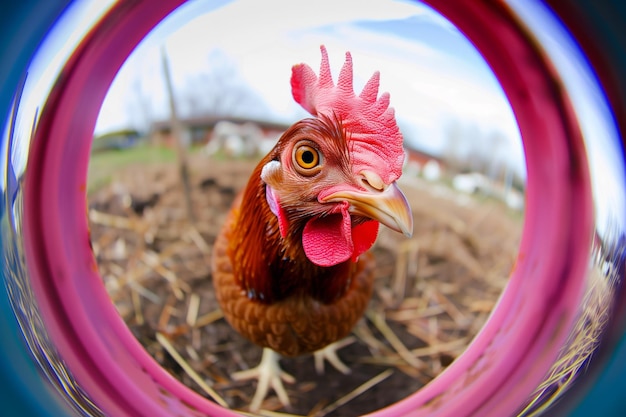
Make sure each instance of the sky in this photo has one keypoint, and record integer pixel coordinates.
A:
(434, 75)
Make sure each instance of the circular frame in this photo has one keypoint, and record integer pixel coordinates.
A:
(494, 376)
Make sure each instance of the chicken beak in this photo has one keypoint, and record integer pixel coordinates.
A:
(388, 206)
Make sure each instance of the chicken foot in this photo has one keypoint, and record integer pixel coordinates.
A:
(329, 353)
(269, 374)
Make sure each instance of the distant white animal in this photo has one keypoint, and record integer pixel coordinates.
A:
(478, 183)
(469, 183)
(431, 170)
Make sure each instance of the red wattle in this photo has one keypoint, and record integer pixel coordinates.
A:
(363, 236)
(331, 239)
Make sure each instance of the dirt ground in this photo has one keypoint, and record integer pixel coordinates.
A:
(433, 292)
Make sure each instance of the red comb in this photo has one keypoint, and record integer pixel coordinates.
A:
(375, 139)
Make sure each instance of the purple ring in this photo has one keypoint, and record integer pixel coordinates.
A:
(498, 371)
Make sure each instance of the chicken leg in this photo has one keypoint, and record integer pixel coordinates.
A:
(329, 353)
(269, 373)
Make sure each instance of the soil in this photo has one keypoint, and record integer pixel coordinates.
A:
(433, 292)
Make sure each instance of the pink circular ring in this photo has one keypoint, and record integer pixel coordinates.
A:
(493, 377)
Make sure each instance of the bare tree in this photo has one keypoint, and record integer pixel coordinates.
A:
(220, 91)
(178, 132)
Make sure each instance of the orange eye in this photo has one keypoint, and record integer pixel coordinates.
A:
(306, 157)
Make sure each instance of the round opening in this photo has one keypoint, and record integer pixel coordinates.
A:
(504, 363)
(433, 292)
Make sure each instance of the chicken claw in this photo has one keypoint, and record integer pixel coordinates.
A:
(330, 354)
(269, 374)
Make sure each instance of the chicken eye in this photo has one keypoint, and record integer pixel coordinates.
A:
(306, 158)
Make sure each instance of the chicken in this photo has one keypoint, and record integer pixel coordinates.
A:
(290, 267)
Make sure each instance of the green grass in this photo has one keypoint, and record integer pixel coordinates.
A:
(104, 164)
